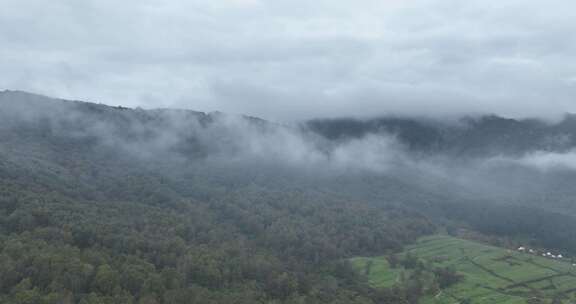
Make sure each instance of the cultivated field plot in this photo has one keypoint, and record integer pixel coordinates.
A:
(491, 274)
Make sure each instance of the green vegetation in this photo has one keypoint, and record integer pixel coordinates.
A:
(102, 205)
(85, 222)
(490, 274)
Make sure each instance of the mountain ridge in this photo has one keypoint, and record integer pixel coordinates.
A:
(481, 136)
(177, 207)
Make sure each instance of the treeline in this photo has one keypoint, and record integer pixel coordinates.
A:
(544, 228)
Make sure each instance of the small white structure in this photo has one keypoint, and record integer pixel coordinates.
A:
(521, 249)
(560, 256)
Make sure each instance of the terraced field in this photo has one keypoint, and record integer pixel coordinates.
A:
(491, 274)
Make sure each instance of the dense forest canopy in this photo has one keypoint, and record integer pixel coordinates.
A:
(104, 204)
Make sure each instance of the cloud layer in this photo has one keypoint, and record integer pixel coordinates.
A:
(297, 59)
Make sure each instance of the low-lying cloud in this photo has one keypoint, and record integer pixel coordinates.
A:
(184, 136)
(544, 161)
(177, 139)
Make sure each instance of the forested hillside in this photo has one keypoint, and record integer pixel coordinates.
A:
(104, 213)
(104, 204)
(480, 136)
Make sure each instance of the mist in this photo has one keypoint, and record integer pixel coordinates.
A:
(178, 139)
(181, 135)
(287, 151)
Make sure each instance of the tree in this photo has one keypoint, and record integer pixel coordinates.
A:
(107, 280)
(447, 277)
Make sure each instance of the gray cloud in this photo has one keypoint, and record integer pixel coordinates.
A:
(184, 137)
(541, 160)
(298, 59)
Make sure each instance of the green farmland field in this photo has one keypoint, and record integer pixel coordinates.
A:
(492, 275)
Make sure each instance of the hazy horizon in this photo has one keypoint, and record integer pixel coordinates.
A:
(286, 60)
(448, 118)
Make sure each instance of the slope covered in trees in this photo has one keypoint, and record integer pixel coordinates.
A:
(104, 204)
(104, 213)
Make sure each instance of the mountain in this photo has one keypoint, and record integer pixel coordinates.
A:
(482, 136)
(111, 205)
(103, 204)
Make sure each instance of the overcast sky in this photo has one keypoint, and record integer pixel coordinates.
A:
(296, 59)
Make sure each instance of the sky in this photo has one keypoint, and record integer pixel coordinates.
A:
(297, 59)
